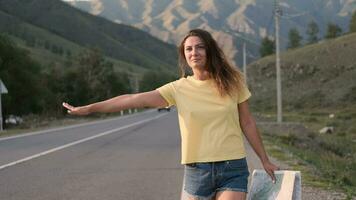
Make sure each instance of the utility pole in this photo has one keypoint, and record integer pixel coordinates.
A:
(244, 51)
(277, 14)
(137, 87)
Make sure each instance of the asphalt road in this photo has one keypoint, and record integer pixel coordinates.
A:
(133, 157)
(137, 162)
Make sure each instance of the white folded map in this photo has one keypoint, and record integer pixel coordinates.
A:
(287, 186)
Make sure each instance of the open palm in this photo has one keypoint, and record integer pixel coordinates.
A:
(81, 110)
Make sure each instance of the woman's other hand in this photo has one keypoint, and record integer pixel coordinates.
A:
(270, 168)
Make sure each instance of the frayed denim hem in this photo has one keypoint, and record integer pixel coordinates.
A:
(186, 195)
(232, 189)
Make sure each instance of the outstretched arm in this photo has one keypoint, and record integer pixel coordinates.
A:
(122, 102)
(249, 128)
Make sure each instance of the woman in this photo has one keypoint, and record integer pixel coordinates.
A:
(213, 112)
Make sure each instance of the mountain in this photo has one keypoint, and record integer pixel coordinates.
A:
(249, 20)
(50, 49)
(319, 76)
(121, 42)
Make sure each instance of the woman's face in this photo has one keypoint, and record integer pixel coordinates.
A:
(195, 52)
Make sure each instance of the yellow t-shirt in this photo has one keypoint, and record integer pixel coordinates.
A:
(209, 123)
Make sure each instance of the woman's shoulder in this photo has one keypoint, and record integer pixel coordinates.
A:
(179, 81)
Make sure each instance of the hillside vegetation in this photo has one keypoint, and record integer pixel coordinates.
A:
(48, 48)
(313, 77)
(318, 90)
(121, 42)
(63, 54)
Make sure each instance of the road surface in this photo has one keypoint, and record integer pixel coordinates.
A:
(132, 157)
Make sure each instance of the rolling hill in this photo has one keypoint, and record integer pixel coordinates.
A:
(55, 21)
(42, 44)
(319, 76)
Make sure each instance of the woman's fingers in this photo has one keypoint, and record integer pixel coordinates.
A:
(66, 105)
(273, 177)
(80, 110)
(270, 168)
(69, 107)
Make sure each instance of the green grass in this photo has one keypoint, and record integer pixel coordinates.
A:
(315, 76)
(326, 160)
(309, 175)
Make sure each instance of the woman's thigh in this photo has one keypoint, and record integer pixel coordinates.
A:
(230, 195)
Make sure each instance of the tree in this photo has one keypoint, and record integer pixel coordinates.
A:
(68, 53)
(353, 23)
(94, 79)
(60, 50)
(268, 47)
(152, 80)
(312, 32)
(47, 45)
(54, 49)
(30, 41)
(23, 79)
(333, 31)
(294, 38)
(90, 78)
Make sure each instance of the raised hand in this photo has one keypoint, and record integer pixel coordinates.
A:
(81, 110)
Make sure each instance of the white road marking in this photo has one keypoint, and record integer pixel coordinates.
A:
(78, 142)
(69, 127)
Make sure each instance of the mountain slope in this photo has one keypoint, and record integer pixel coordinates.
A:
(42, 45)
(253, 19)
(118, 41)
(313, 77)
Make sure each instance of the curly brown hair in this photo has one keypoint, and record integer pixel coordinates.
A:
(228, 79)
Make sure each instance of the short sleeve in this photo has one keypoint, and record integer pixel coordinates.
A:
(167, 91)
(243, 94)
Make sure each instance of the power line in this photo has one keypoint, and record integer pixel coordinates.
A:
(270, 23)
(242, 37)
(237, 35)
(243, 49)
(288, 17)
(251, 55)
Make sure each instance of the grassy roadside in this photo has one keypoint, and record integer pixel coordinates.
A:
(325, 160)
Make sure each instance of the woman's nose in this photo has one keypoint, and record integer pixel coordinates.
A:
(194, 51)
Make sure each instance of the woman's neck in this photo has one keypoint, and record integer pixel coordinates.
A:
(201, 75)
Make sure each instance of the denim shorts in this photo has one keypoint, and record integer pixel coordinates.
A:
(204, 180)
